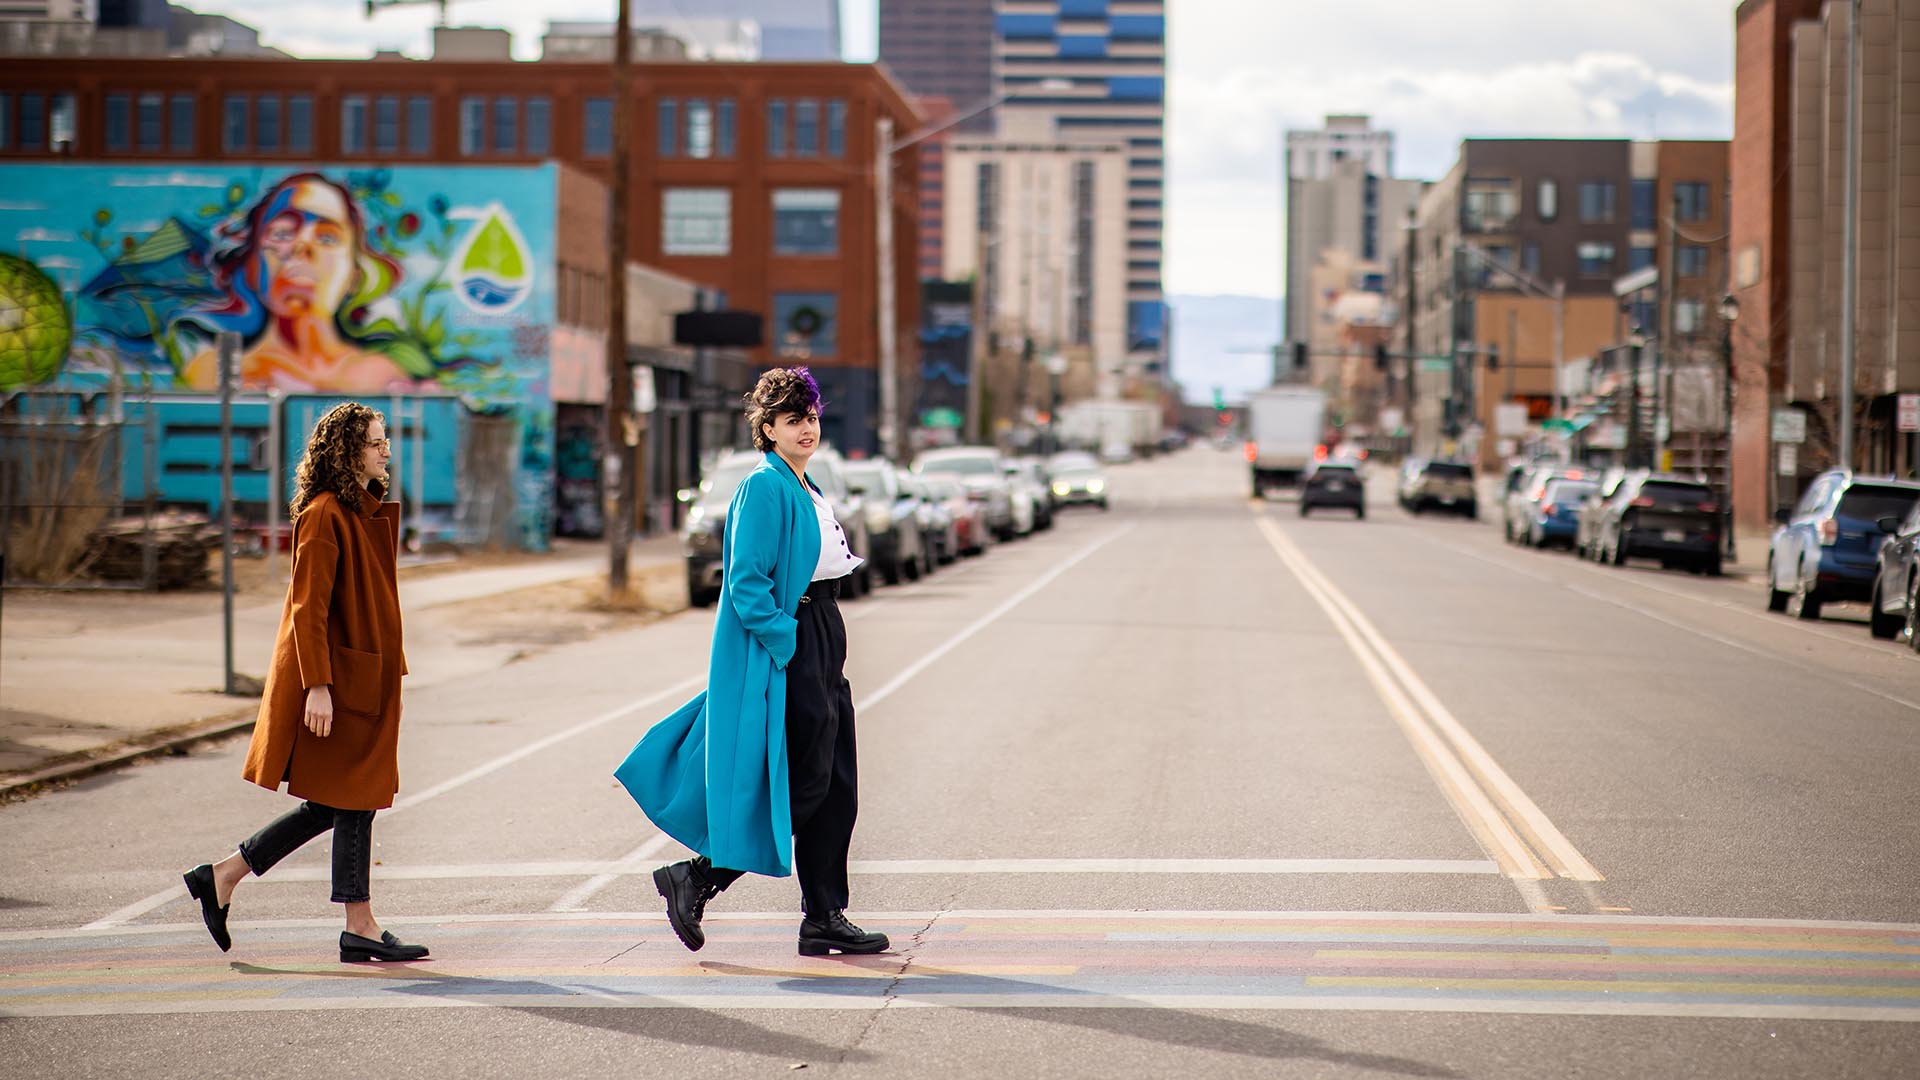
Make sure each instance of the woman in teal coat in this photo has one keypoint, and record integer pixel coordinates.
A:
(758, 772)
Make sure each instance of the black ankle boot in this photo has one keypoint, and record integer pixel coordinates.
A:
(824, 934)
(687, 891)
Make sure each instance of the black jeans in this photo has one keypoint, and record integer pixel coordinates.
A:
(352, 845)
(823, 782)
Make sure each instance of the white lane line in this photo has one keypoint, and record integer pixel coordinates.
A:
(576, 898)
(686, 686)
(915, 668)
(1476, 811)
(1825, 674)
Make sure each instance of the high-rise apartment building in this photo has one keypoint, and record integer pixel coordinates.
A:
(789, 29)
(1096, 70)
(1336, 179)
(943, 49)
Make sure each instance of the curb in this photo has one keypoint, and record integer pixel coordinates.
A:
(219, 727)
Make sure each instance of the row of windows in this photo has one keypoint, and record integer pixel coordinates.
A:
(488, 126)
(699, 221)
(1491, 204)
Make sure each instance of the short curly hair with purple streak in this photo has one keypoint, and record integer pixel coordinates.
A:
(780, 391)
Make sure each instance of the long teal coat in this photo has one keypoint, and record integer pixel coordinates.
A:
(714, 774)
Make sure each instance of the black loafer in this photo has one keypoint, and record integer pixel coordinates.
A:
(200, 886)
(355, 949)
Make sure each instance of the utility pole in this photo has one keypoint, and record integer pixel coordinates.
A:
(1669, 335)
(1849, 236)
(1413, 251)
(622, 434)
(889, 346)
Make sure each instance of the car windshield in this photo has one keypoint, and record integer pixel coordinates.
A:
(1335, 472)
(1566, 492)
(1667, 493)
(941, 489)
(962, 465)
(1864, 502)
(1078, 472)
(1071, 459)
(718, 488)
(866, 479)
(1447, 470)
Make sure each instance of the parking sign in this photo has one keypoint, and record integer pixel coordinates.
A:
(1909, 410)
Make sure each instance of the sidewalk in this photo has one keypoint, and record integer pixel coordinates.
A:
(88, 678)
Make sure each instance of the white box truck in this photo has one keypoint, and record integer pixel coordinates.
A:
(1284, 426)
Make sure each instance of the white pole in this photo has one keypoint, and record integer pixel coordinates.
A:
(275, 403)
(1849, 236)
(883, 233)
(1559, 347)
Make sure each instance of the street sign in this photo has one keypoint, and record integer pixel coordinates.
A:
(940, 418)
(1789, 426)
(1436, 364)
(1565, 427)
(1789, 459)
(1909, 410)
(1645, 278)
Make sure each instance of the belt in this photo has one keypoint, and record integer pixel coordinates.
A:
(828, 589)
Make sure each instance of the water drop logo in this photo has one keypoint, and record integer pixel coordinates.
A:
(492, 272)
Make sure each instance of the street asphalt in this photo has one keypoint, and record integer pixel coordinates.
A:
(1193, 786)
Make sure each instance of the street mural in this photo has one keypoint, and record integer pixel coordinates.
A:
(374, 282)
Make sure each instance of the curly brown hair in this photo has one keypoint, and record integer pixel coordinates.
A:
(332, 459)
(780, 391)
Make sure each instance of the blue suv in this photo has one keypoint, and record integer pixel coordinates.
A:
(1828, 547)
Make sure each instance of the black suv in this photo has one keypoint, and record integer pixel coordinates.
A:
(1671, 518)
(1334, 485)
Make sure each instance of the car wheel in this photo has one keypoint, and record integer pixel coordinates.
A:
(1104, 506)
(1712, 566)
(1807, 602)
(1913, 616)
(1883, 626)
(1776, 598)
(912, 568)
(1619, 549)
(1360, 513)
(1303, 509)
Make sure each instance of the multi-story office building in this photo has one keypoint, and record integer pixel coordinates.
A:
(942, 48)
(1340, 195)
(1096, 69)
(49, 10)
(789, 29)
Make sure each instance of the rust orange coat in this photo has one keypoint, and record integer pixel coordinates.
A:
(341, 628)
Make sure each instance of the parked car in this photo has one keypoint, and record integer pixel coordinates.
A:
(1657, 516)
(1442, 485)
(893, 520)
(703, 533)
(936, 520)
(970, 529)
(1555, 518)
(1334, 485)
(979, 470)
(1587, 526)
(1032, 472)
(827, 470)
(1078, 480)
(1523, 496)
(1894, 610)
(1828, 548)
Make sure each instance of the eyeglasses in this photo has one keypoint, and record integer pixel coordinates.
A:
(379, 444)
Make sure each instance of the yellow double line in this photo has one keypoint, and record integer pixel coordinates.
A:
(1515, 833)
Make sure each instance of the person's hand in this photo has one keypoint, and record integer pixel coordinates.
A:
(320, 710)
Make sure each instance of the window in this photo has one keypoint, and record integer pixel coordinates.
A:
(473, 126)
(1689, 316)
(726, 124)
(699, 128)
(300, 123)
(1691, 260)
(33, 122)
(806, 221)
(1530, 258)
(1547, 200)
(1596, 259)
(806, 128)
(1596, 201)
(669, 127)
(63, 120)
(1646, 204)
(597, 131)
(233, 127)
(836, 128)
(1690, 200)
(150, 122)
(1490, 205)
(506, 125)
(777, 128)
(180, 124)
(420, 126)
(353, 124)
(6, 121)
(266, 124)
(386, 124)
(119, 125)
(806, 321)
(539, 126)
(696, 221)
(1639, 258)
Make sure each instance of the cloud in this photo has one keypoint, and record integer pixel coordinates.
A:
(43, 236)
(171, 179)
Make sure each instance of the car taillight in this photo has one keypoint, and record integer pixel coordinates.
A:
(1829, 532)
(1709, 508)
(1252, 450)
(1320, 452)
(1550, 509)
(1642, 502)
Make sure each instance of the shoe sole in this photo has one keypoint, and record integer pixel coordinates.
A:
(361, 956)
(824, 947)
(663, 884)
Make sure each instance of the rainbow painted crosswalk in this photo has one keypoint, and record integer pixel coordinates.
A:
(1617, 965)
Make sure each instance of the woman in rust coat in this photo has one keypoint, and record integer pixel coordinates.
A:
(329, 721)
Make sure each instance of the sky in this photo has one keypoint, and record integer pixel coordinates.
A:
(1242, 72)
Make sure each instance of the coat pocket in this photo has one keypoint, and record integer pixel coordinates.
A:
(356, 681)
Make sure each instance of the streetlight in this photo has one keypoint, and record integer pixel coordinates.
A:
(1729, 312)
(883, 233)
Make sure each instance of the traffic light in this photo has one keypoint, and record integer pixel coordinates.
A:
(1299, 356)
(1380, 358)
(1219, 400)
(1493, 357)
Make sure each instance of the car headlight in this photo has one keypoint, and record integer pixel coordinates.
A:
(1095, 487)
(1063, 490)
(879, 520)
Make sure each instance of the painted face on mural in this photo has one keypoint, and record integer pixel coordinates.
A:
(308, 250)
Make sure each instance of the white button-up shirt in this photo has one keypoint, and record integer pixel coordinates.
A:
(837, 559)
